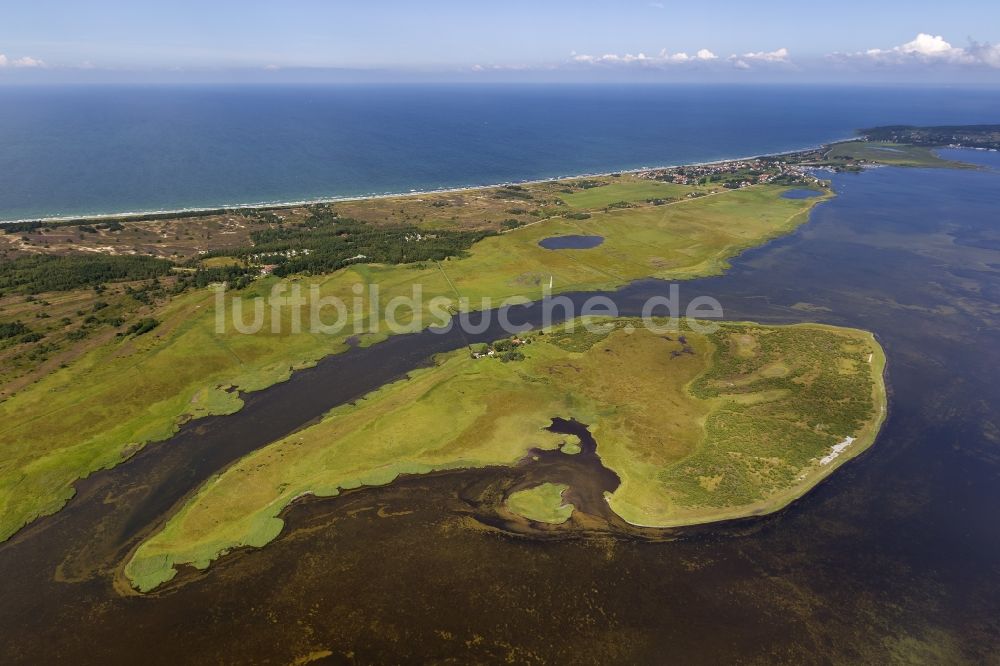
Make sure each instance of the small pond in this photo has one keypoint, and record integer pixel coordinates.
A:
(571, 242)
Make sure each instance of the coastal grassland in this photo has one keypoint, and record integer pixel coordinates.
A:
(471, 209)
(220, 262)
(53, 327)
(129, 391)
(633, 190)
(98, 411)
(175, 237)
(438, 418)
(91, 415)
(775, 400)
(543, 503)
(893, 154)
(699, 427)
(188, 237)
(693, 237)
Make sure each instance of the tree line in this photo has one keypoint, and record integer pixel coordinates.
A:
(33, 274)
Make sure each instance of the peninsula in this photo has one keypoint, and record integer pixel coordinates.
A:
(697, 427)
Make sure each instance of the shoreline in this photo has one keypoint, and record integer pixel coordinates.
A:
(218, 210)
(813, 479)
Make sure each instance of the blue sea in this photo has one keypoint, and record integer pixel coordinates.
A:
(88, 150)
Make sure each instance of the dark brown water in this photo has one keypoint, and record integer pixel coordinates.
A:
(895, 558)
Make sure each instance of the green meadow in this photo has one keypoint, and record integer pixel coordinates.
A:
(689, 238)
(711, 426)
(894, 154)
(90, 415)
(631, 191)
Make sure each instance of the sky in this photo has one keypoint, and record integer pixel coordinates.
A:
(515, 40)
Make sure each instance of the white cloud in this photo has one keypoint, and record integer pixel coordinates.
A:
(663, 58)
(657, 5)
(922, 47)
(28, 61)
(928, 45)
(25, 61)
(985, 53)
(748, 60)
(928, 49)
(515, 67)
(778, 55)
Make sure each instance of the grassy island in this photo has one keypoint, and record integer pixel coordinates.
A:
(699, 427)
(543, 503)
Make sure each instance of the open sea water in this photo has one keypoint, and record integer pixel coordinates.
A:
(82, 150)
